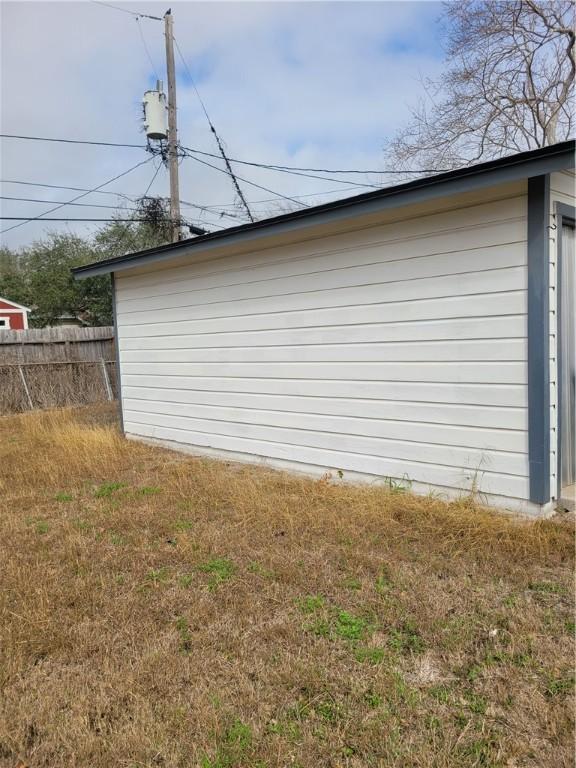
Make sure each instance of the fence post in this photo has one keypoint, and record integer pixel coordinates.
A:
(26, 387)
(106, 379)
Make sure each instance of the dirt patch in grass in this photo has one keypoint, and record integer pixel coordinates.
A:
(162, 610)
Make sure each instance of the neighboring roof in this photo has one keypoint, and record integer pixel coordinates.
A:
(13, 305)
(506, 169)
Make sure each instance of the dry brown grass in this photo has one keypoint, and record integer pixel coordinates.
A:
(161, 610)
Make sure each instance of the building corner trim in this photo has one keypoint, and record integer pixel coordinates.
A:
(117, 352)
(539, 338)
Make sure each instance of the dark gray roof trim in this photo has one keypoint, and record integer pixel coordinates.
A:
(507, 169)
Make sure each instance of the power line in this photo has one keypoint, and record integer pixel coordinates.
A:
(78, 197)
(81, 205)
(252, 183)
(207, 209)
(24, 219)
(125, 10)
(146, 48)
(216, 136)
(153, 180)
(311, 194)
(70, 189)
(72, 141)
(133, 199)
(270, 166)
(279, 169)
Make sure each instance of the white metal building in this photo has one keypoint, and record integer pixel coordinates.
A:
(420, 334)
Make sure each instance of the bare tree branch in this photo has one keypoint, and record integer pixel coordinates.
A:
(509, 85)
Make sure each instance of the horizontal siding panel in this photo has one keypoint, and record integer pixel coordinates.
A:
(464, 458)
(489, 482)
(482, 225)
(484, 250)
(450, 393)
(512, 326)
(475, 373)
(485, 417)
(446, 286)
(407, 270)
(563, 183)
(370, 424)
(410, 352)
(499, 304)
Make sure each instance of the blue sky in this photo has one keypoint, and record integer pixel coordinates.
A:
(321, 84)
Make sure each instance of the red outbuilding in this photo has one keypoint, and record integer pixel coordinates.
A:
(13, 316)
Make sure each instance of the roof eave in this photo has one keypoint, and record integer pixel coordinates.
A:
(15, 305)
(509, 169)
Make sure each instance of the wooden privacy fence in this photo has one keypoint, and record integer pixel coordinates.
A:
(44, 345)
(55, 367)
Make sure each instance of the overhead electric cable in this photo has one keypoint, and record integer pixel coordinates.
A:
(252, 183)
(299, 197)
(209, 209)
(81, 205)
(153, 179)
(148, 54)
(72, 141)
(70, 189)
(132, 199)
(216, 136)
(125, 10)
(78, 197)
(270, 166)
(49, 218)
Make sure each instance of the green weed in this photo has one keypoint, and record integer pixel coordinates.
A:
(183, 525)
(310, 603)
(328, 710)
(373, 700)
(547, 587)
(185, 636)
(107, 489)
(259, 570)
(383, 582)
(405, 639)
(220, 569)
(62, 496)
(236, 741)
(370, 655)
(477, 704)
(157, 575)
(349, 627)
(148, 490)
(441, 693)
(559, 686)
(352, 583)
(186, 580)
(41, 527)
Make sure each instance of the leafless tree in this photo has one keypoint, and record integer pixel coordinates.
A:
(509, 85)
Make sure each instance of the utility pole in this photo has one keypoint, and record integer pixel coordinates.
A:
(172, 130)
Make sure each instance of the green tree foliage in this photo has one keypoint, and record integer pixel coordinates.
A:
(40, 276)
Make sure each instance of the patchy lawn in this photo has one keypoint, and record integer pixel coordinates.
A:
(162, 610)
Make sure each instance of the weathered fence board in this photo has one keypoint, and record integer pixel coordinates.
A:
(27, 386)
(39, 345)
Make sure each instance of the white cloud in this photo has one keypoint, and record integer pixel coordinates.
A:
(316, 84)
